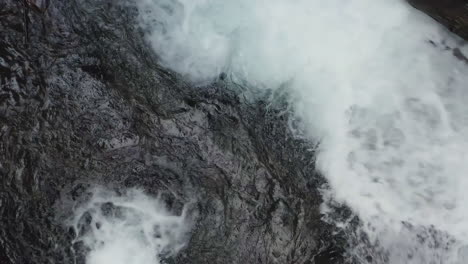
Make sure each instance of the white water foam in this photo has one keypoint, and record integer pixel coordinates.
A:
(129, 228)
(375, 81)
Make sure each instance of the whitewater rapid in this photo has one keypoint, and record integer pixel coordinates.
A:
(129, 227)
(374, 81)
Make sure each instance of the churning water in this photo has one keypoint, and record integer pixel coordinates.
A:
(375, 81)
(129, 228)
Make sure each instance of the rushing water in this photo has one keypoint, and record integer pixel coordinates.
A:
(374, 81)
(127, 228)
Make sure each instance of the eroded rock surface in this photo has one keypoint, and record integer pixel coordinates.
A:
(83, 102)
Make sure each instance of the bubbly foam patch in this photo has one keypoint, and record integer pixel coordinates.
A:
(130, 228)
(375, 81)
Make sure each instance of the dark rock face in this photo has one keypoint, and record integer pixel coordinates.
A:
(451, 13)
(83, 102)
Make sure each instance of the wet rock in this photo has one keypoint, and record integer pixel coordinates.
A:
(38, 5)
(83, 102)
(451, 13)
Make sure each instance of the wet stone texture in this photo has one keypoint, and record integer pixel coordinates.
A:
(83, 102)
(451, 13)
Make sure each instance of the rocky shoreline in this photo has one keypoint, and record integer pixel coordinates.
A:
(83, 102)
